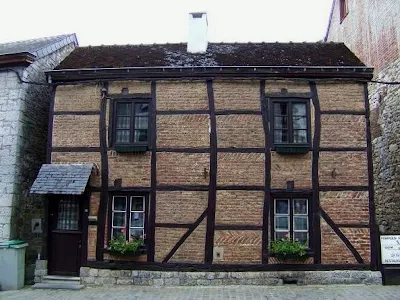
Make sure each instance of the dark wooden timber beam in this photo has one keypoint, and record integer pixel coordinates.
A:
(124, 265)
(340, 234)
(185, 236)
(153, 182)
(212, 192)
(267, 172)
(316, 231)
(77, 113)
(374, 232)
(101, 217)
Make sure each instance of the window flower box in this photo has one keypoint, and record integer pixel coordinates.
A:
(288, 251)
(121, 247)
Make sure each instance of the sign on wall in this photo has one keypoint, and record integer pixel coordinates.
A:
(390, 249)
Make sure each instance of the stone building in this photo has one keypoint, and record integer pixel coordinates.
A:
(371, 29)
(209, 152)
(24, 111)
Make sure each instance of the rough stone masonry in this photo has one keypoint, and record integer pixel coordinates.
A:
(24, 111)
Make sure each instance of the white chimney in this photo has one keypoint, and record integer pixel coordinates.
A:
(197, 42)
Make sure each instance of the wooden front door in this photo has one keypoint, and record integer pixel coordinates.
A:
(65, 230)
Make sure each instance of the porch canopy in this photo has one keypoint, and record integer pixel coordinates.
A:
(67, 179)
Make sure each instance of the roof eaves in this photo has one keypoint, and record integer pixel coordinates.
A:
(17, 59)
(199, 71)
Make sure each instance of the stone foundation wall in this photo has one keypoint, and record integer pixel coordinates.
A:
(40, 270)
(92, 276)
(385, 126)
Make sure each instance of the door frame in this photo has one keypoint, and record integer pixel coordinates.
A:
(84, 213)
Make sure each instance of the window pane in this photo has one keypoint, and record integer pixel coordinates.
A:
(300, 223)
(137, 219)
(119, 203)
(282, 223)
(300, 136)
(281, 136)
(119, 219)
(280, 123)
(124, 109)
(116, 232)
(141, 109)
(282, 235)
(123, 122)
(141, 122)
(136, 232)
(299, 109)
(280, 109)
(299, 122)
(68, 213)
(300, 206)
(282, 206)
(123, 136)
(137, 204)
(140, 135)
(301, 237)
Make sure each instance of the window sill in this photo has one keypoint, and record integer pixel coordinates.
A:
(131, 148)
(292, 149)
(141, 251)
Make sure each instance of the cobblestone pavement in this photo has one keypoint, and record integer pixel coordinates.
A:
(353, 292)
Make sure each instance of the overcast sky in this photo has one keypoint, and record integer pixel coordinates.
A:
(160, 21)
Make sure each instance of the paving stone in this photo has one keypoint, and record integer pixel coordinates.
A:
(330, 292)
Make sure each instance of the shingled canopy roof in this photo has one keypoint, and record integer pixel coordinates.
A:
(62, 179)
(218, 54)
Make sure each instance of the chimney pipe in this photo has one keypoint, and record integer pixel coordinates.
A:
(197, 42)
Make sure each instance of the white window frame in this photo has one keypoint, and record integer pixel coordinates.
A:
(118, 211)
(290, 215)
(281, 215)
(301, 215)
(137, 211)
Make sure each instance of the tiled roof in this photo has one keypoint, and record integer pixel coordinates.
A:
(218, 54)
(62, 179)
(38, 47)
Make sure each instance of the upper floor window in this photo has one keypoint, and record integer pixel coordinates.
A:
(130, 123)
(290, 123)
(344, 9)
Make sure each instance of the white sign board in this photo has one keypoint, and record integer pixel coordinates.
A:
(390, 249)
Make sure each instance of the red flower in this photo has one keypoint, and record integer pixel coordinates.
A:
(286, 235)
(123, 230)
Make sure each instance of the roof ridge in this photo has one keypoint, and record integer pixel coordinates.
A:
(209, 43)
(59, 38)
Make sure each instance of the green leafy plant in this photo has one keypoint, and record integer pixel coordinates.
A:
(121, 245)
(288, 249)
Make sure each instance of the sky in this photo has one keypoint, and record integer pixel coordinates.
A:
(100, 22)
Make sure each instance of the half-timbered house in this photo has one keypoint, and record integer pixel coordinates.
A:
(209, 156)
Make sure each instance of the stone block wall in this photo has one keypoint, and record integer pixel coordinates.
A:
(95, 277)
(24, 111)
(385, 126)
(372, 32)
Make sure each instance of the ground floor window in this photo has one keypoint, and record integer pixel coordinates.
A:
(128, 216)
(291, 219)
